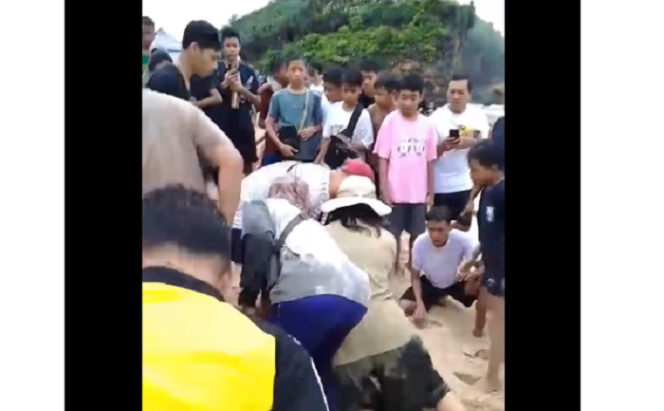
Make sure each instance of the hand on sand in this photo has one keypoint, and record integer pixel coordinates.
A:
(420, 316)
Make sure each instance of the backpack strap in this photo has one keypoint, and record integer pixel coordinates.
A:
(282, 238)
(352, 123)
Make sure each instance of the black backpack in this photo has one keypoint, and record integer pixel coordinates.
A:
(261, 259)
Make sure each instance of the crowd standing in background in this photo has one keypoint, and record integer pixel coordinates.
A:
(313, 226)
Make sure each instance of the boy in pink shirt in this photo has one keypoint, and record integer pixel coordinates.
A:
(406, 150)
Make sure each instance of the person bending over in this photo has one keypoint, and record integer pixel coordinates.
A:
(323, 184)
(382, 364)
(314, 292)
(175, 134)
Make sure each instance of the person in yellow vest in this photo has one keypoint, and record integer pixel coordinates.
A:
(200, 353)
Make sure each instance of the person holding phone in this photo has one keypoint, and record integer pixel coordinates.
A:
(460, 126)
(297, 112)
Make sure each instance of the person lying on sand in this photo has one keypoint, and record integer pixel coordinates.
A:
(383, 347)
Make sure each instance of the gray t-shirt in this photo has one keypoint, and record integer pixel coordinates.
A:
(287, 109)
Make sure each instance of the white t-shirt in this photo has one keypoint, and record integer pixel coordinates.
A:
(452, 172)
(324, 106)
(337, 119)
(317, 88)
(257, 184)
(440, 264)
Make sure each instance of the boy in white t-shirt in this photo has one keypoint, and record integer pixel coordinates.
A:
(338, 115)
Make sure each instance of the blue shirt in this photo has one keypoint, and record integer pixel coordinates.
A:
(287, 109)
(498, 136)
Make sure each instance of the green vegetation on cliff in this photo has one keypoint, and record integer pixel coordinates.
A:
(436, 33)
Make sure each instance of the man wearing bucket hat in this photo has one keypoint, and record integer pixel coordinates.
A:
(384, 344)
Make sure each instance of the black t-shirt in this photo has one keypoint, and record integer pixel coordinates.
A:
(498, 134)
(297, 385)
(227, 117)
(169, 80)
(491, 227)
(236, 123)
(366, 101)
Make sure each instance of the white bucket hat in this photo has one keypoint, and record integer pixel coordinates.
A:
(355, 190)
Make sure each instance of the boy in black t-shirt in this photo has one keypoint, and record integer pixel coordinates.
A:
(200, 56)
(486, 160)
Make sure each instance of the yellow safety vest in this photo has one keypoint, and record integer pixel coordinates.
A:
(200, 354)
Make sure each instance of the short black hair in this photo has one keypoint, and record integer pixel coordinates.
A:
(276, 65)
(488, 154)
(369, 65)
(158, 56)
(185, 218)
(352, 77)
(388, 81)
(463, 77)
(294, 57)
(147, 21)
(202, 33)
(314, 65)
(439, 214)
(229, 33)
(334, 75)
(412, 82)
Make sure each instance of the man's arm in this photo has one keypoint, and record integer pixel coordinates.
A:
(415, 275)
(266, 98)
(273, 116)
(383, 149)
(212, 100)
(482, 129)
(251, 94)
(220, 152)
(297, 386)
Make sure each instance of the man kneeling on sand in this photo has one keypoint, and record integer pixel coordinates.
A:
(383, 348)
(437, 255)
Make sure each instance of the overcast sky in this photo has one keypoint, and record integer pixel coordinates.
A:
(173, 15)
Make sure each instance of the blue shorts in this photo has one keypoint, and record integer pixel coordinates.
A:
(320, 323)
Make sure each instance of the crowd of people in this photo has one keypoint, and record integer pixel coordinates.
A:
(314, 228)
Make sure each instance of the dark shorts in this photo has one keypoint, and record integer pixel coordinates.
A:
(455, 202)
(320, 323)
(432, 295)
(236, 246)
(399, 380)
(494, 283)
(409, 218)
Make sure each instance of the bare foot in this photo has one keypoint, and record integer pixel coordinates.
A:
(478, 332)
(488, 385)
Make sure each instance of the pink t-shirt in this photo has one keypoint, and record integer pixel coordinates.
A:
(409, 145)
